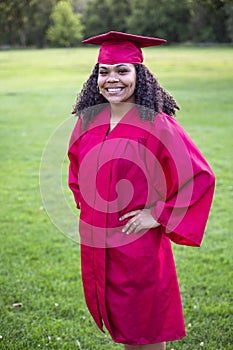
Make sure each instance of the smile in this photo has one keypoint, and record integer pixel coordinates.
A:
(114, 90)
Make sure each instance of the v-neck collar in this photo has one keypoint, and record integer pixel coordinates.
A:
(130, 125)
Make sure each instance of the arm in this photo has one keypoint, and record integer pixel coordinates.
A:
(184, 206)
(74, 166)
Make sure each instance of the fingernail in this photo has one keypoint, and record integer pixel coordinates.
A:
(123, 230)
(120, 219)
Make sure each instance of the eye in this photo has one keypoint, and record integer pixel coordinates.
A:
(123, 71)
(103, 72)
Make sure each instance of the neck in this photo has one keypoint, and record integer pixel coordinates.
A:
(118, 110)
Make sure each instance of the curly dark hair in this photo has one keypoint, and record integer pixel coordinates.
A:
(149, 95)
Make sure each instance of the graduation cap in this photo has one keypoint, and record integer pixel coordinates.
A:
(118, 47)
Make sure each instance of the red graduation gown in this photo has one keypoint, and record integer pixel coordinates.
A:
(130, 282)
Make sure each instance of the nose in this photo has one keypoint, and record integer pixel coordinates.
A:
(112, 79)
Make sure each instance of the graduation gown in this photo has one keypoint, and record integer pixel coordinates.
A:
(130, 282)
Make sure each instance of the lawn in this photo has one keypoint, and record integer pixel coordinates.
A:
(39, 265)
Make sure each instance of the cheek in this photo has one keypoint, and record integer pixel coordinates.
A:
(132, 85)
(100, 81)
(133, 81)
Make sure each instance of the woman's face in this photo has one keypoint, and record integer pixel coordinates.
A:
(117, 82)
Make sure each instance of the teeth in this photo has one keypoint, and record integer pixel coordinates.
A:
(114, 89)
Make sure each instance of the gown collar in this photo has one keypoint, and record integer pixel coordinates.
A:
(131, 125)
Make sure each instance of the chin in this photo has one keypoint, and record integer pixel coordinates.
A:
(119, 100)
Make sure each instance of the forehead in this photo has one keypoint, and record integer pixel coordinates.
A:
(113, 66)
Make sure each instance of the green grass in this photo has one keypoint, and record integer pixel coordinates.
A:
(39, 266)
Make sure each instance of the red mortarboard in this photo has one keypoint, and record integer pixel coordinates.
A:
(118, 47)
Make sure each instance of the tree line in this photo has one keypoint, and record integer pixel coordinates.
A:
(64, 23)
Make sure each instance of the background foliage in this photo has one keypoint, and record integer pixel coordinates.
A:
(36, 23)
(66, 28)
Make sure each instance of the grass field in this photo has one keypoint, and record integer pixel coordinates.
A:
(39, 266)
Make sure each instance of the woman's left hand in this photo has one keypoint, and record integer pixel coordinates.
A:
(141, 220)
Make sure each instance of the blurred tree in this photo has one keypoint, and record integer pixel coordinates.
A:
(66, 29)
(40, 21)
(211, 21)
(105, 15)
(96, 17)
(14, 19)
(161, 18)
(79, 5)
(26, 22)
(229, 22)
(119, 12)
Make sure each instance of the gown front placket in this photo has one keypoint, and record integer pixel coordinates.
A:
(99, 236)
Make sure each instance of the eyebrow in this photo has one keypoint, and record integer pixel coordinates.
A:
(115, 66)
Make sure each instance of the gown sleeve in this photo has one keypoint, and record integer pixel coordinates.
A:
(185, 189)
(73, 166)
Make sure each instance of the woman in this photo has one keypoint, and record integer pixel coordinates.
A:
(139, 182)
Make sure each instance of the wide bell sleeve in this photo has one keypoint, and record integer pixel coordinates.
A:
(73, 154)
(183, 181)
